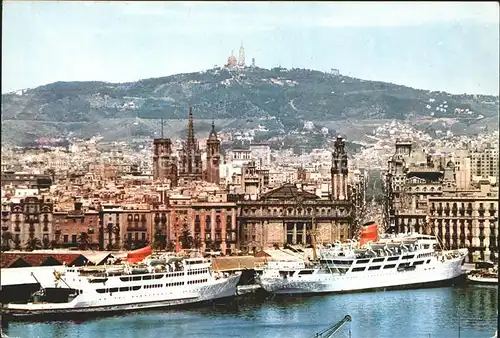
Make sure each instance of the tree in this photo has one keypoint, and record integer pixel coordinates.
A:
(46, 243)
(7, 238)
(33, 243)
(186, 239)
(54, 244)
(113, 230)
(83, 241)
(17, 243)
(160, 240)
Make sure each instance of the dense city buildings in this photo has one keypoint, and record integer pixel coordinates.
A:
(30, 180)
(179, 194)
(443, 195)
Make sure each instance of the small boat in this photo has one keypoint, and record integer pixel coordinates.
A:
(485, 273)
(483, 277)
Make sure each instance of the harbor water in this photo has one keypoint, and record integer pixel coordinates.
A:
(461, 311)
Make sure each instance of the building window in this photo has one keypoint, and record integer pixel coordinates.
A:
(65, 238)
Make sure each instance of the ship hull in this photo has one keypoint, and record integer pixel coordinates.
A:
(460, 280)
(356, 282)
(217, 291)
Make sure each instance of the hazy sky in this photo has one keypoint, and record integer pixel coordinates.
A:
(438, 46)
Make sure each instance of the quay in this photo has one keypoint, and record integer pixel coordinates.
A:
(22, 272)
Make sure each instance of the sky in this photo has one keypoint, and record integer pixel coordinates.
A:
(449, 46)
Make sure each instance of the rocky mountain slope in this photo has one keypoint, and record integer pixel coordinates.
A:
(276, 98)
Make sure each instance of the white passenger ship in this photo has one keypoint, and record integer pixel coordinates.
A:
(156, 282)
(394, 261)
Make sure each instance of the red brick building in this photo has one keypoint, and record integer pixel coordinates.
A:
(69, 225)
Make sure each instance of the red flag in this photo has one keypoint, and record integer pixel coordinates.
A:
(139, 254)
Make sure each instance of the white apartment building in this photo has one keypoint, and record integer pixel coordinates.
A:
(484, 162)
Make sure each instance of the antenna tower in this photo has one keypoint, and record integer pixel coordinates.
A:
(241, 56)
(161, 121)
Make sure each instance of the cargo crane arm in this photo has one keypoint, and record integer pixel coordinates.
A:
(330, 331)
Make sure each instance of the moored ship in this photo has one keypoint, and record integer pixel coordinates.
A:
(408, 260)
(156, 282)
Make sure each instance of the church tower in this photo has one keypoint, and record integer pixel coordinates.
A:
(213, 157)
(190, 165)
(164, 162)
(339, 171)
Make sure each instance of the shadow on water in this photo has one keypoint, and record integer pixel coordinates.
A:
(218, 306)
(439, 312)
(213, 309)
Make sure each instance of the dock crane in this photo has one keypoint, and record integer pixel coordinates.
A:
(330, 331)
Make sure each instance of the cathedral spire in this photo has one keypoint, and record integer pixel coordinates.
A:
(190, 137)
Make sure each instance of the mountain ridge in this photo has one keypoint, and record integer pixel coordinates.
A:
(275, 98)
